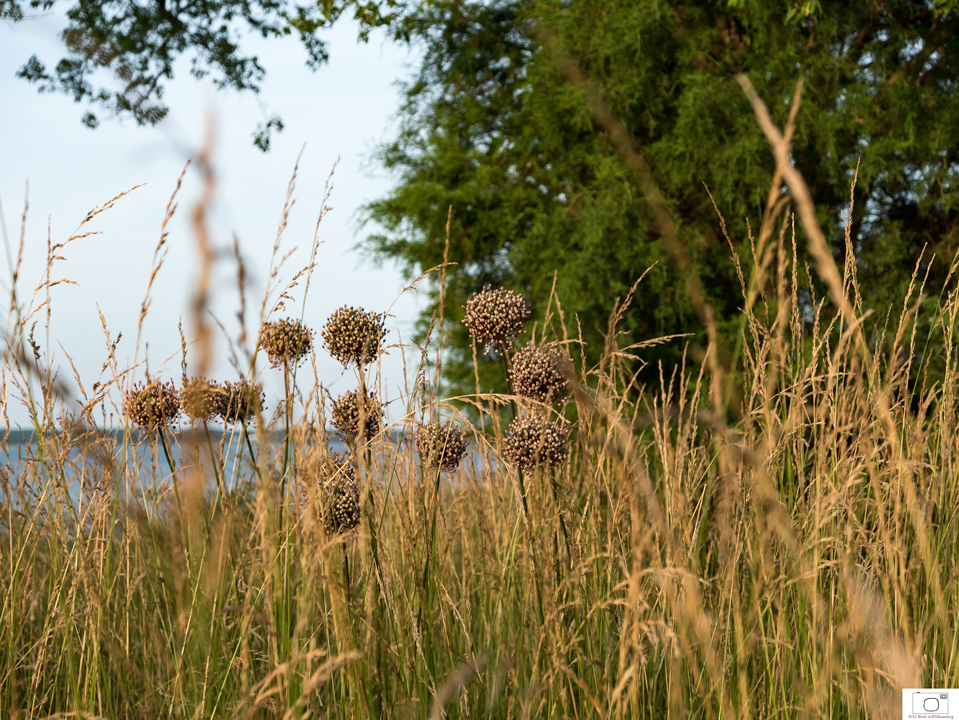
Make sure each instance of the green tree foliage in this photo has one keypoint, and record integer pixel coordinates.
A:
(491, 129)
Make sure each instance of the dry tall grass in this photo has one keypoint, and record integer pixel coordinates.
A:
(798, 563)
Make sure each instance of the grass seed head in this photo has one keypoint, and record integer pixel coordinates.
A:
(353, 336)
(347, 409)
(533, 440)
(495, 317)
(538, 373)
(441, 446)
(239, 402)
(151, 406)
(286, 341)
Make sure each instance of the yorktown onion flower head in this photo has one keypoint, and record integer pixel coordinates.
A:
(539, 373)
(199, 398)
(353, 336)
(340, 494)
(495, 317)
(343, 506)
(151, 405)
(286, 341)
(441, 446)
(238, 402)
(348, 408)
(535, 441)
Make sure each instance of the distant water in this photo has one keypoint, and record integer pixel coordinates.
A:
(96, 455)
(97, 451)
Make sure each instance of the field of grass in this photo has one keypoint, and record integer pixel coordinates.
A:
(775, 543)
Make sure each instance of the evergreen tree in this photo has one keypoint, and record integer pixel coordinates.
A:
(490, 128)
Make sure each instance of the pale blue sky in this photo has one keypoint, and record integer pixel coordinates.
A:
(342, 110)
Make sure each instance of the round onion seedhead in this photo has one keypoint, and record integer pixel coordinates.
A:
(539, 373)
(341, 494)
(239, 402)
(151, 406)
(495, 317)
(343, 506)
(286, 341)
(347, 410)
(199, 398)
(441, 446)
(338, 494)
(534, 441)
(354, 336)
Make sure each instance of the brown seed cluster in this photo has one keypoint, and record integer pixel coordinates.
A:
(341, 494)
(495, 317)
(286, 341)
(342, 506)
(238, 402)
(152, 405)
(353, 335)
(200, 398)
(534, 440)
(441, 446)
(538, 373)
(348, 408)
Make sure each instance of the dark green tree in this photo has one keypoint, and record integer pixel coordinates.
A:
(490, 128)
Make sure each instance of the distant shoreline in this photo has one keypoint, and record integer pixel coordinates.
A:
(22, 437)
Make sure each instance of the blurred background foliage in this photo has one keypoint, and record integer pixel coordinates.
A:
(490, 129)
